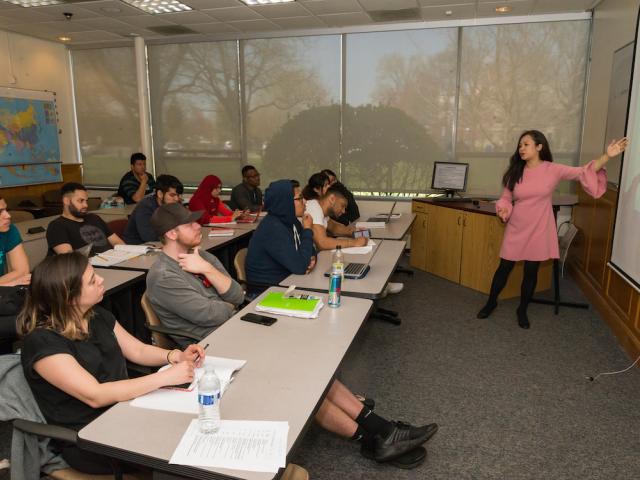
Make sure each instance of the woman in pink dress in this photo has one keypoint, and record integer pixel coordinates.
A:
(207, 198)
(525, 206)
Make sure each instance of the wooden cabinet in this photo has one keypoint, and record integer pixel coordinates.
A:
(463, 246)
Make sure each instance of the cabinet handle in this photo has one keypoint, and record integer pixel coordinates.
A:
(464, 222)
(458, 221)
(424, 223)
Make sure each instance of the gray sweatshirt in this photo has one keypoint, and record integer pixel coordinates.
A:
(181, 300)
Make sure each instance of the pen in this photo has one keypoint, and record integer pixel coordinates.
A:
(205, 350)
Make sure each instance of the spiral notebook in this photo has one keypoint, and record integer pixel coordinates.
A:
(298, 305)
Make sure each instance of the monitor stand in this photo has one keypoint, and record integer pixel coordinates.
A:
(449, 193)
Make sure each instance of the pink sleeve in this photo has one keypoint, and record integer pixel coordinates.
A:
(594, 183)
(505, 201)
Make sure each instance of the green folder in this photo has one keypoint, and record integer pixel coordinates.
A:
(275, 300)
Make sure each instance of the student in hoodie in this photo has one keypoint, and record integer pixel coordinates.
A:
(207, 199)
(281, 246)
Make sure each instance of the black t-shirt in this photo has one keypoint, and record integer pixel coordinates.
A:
(78, 234)
(99, 354)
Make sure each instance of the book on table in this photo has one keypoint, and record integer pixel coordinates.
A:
(221, 232)
(296, 305)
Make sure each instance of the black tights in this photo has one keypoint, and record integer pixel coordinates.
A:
(529, 281)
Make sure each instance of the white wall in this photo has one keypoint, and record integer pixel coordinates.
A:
(614, 25)
(31, 63)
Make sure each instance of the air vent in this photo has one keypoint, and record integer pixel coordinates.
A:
(403, 15)
(172, 30)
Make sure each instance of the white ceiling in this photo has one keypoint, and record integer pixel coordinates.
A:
(114, 21)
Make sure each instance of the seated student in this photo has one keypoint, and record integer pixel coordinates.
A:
(280, 245)
(332, 204)
(352, 212)
(316, 186)
(247, 195)
(137, 183)
(14, 264)
(188, 291)
(168, 190)
(77, 228)
(207, 200)
(74, 353)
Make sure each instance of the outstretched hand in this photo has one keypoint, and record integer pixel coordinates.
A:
(503, 213)
(616, 147)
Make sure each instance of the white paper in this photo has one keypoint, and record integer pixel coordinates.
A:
(221, 232)
(359, 250)
(370, 225)
(111, 257)
(238, 445)
(221, 224)
(184, 401)
(139, 249)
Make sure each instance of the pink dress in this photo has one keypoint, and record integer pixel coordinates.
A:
(531, 232)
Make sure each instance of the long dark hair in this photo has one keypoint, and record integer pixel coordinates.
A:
(55, 285)
(515, 171)
(317, 180)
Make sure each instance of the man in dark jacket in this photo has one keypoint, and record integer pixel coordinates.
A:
(280, 245)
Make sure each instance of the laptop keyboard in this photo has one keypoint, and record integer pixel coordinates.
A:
(354, 268)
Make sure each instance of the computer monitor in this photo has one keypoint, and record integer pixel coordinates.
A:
(450, 177)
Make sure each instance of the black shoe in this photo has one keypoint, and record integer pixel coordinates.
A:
(523, 320)
(370, 403)
(406, 461)
(486, 310)
(402, 439)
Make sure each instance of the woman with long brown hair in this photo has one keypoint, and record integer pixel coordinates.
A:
(74, 353)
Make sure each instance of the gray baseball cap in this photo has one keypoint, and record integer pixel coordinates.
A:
(171, 215)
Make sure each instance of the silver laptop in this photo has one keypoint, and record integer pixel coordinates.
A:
(356, 271)
(383, 218)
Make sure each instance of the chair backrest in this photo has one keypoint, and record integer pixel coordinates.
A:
(566, 233)
(20, 216)
(118, 226)
(159, 339)
(294, 472)
(239, 263)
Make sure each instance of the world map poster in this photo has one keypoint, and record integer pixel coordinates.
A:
(29, 147)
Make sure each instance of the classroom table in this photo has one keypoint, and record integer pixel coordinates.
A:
(116, 280)
(371, 286)
(290, 366)
(396, 229)
(122, 212)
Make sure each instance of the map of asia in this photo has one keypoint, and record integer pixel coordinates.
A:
(29, 148)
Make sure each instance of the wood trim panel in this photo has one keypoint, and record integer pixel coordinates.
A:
(71, 172)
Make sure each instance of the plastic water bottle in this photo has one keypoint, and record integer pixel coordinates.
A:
(209, 400)
(337, 275)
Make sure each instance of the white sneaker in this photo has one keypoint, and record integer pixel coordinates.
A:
(393, 287)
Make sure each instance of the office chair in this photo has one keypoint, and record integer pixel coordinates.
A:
(159, 333)
(566, 233)
(239, 263)
(118, 226)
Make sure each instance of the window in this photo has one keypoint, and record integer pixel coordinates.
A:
(292, 96)
(107, 110)
(516, 78)
(400, 108)
(195, 110)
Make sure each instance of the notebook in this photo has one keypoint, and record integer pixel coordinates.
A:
(298, 305)
(221, 232)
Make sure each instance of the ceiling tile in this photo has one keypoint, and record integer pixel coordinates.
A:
(553, 6)
(112, 8)
(105, 23)
(187, 18)
(65, 26)
(233, 14)
(388, 5)
(94, 36)
(296, 23)
(345, 19)
(212, 28)
(211, 4)
(34, 29)
(488, 9)
(439, 3)
(6, 21)
(128, 30)
(255, 25)
(323, 7)
(282, 10)
(22, 14)
(467, 10)
(56, 11)
(145, 21)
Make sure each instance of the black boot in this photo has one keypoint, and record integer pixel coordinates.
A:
(523, 320)
(487, 309)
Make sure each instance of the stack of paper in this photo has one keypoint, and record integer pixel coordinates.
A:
(112, 257)
(186, 400)
(238, 445)
(359, 250)
(369, 225)
(139, 249)
(221, 224)
(301, 306)
(221, 232)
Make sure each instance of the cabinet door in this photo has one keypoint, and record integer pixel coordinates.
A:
(481, 240)
(419, 241)
(444, 246)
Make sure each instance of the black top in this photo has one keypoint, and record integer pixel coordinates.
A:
(100, 355)
(352, 213)
(78, 234)
(129, 184)
(245, 198)
(139, 228)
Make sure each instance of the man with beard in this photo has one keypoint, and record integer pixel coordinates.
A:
(188, 288)
(323, 211)
(76, 228)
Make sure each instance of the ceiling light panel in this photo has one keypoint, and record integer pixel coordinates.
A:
(265, 2)
(159, 6)
(34, 3)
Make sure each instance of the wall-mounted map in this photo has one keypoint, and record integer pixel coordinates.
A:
(29, 147)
